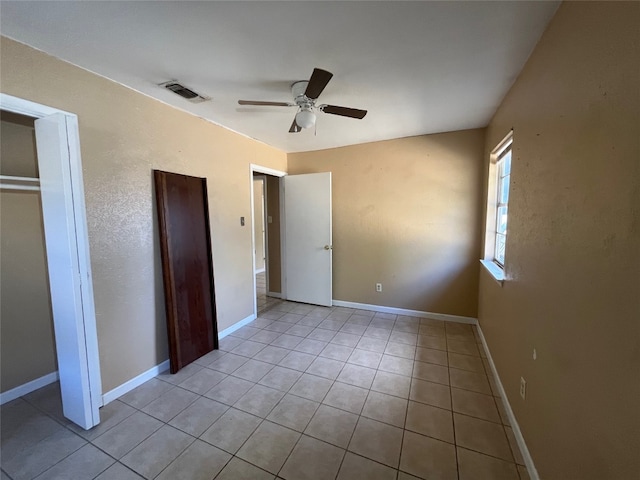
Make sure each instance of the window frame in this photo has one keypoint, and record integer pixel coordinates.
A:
(490, 261)
(500, 175)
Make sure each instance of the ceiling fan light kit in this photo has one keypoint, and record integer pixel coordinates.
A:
(305, 93)
(305, 118)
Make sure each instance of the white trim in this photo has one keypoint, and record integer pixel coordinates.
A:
(531, 468)
(283, 241)
(274, 294)
(410, 313)
(28, 387)
(265, 226)
(502, 146)
(492, 198)
(266, 170)
(260, 270)
(84, 264)
(26, 107)
(494, 270)
(126, 387)
(253, 244)
(236, 326)
(62, 181)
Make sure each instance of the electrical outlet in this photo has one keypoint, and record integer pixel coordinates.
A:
(378, 287)
(523, 388)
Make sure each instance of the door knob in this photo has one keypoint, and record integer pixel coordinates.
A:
(328, 247)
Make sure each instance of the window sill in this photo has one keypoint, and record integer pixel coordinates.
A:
(496, 272)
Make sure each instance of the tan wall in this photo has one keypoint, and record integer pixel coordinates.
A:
(27, 345)
(406, 213)
(17, 146)
(573, 249)
(123, 136)
(273, 234)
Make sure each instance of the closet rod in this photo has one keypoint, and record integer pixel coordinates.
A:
(9, 182)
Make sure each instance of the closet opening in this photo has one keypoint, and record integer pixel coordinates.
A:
(43, 220)
(27, 343)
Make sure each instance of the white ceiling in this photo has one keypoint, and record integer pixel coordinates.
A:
(417, 67)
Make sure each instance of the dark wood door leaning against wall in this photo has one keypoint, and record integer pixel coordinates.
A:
(187, 267)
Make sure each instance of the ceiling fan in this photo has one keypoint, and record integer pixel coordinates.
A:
(305, 93)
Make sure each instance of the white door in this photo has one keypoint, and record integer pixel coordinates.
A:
(69, 303)
(307, 246)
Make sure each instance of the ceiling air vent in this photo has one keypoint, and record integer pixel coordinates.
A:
(185, 92)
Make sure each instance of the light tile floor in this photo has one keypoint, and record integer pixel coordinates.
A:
(264, 302)
(302, 392)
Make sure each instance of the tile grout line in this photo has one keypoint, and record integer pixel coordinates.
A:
(453, 417)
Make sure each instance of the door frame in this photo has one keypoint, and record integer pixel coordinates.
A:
(275, 173)
(69, 191)
(265, 227)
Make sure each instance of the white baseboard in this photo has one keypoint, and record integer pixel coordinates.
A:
(531, 468)
(403, 311)
(274, 294)
(28, 387)
(236, 326)
(126, 387)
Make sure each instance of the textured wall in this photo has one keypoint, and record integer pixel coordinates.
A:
(573, 248)
(27, 347)
(406, 213)
(123, 137)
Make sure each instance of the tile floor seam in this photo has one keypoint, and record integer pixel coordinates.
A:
(43, 411)
(174, 459)
(294, 447)
(62, 459)
(137, 444)
(453, 423)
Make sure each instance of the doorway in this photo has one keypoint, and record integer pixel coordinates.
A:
(265, 224)
(68, 261)
(27, 346)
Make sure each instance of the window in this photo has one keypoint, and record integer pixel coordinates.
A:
(502, 204)
(498, 208)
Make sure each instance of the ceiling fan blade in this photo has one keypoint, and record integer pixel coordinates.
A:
(295, 128)
(343, 111)
(265, 104)
(317, 82)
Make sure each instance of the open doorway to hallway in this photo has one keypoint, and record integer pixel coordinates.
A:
(265, 188)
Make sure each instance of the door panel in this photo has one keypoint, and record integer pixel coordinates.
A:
(308, 248)
(60, 230)
(185, 244)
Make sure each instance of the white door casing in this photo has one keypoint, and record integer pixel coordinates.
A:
(275, 173)
(259, 184)
(68, 259)
(308, 238)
